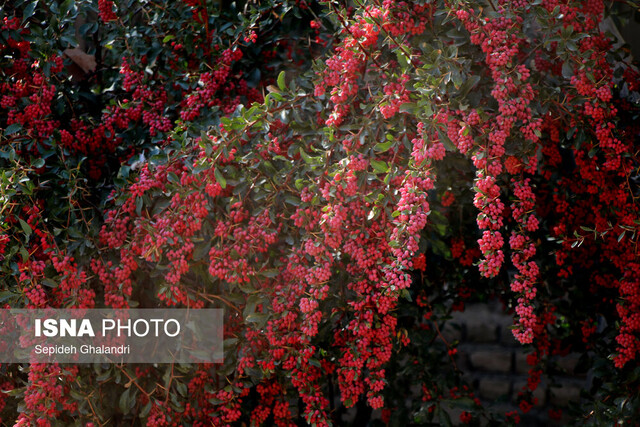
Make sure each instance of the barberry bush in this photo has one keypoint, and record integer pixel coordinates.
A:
(339, 177)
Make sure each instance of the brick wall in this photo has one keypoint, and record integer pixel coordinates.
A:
(495, 364)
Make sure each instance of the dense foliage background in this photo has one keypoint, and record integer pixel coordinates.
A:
(340, 177)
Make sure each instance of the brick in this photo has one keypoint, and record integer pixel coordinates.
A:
(506, 336)
(568, 363)
(494, 388)
(498, 360)
(502, 407)
(415, 390)
(522, 367)
(482, 332)
(472, 313)
(349, 415)
(462, 360)
(484, 322)
(376, 414)
(452, 332)
(454, 414)
(540, 393)
(566, 394)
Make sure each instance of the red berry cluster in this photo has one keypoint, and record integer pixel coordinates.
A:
(105, 11)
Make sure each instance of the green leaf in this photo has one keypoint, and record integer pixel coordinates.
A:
(383, 146)
(49, 282)
(145, 410)
(402, 58)
(6, 295)
(465, 403)
(469, 84)
(272, 272)
(25, 227)
(257, 318)
(408, 107)
(308, 159)
(445, 419)
(24, 254)
(380, 166)
(567, 72)
(124, 171)
(250, 308)
(139, 204)
(173, 178)
(66, 6)
(11, 129)
(29, 10)
(281, 82)
(220, 178)
(182, 388)
(106, 375)
(158, 159)
(448, 145)
(38, 163)
(124, 403)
